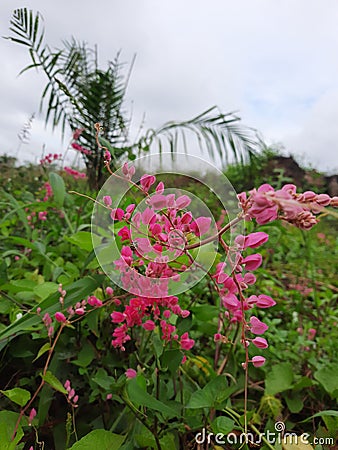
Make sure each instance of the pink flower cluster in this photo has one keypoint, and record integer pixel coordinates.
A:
(48, 324)
(74, 173)
(265, 205)
(71, 397)
(80, 149)
(78, 309)
(51, 157)
(232, 287)
(42, 216)
(150, 312)
(49, 192)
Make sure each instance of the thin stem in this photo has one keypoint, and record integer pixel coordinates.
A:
(50, 352)
(219, 233)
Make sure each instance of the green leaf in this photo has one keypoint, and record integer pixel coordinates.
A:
(205, 312)
(327, 377)
(85, 356)
(294, 403)
(18, 396)
(328, 412)
(215, 392)
(51, 379)
(45, 289)
(58, 187)
(99, 440)
(223, 425)
(279, 379)
(42, 350)
(158, 345)
(8, 421)
(172, 359)
(141, 397)
(85, 240)
(75, 292)
(102, 379)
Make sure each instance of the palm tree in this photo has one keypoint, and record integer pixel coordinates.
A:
(79, 94)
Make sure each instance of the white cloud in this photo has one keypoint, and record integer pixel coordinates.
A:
(274, 61)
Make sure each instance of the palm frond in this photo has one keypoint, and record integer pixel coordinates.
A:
(221, 134)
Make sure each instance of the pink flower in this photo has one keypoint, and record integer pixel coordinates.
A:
(149, 325)
(79, 311)
(231, 302)
(109, 291)
(107, 200)
(130, 373)
(311, 333)
(258, 361)
(60, 317)
(183, 201)
(117, 214)
(147, 181)
(32, 414)
(117, 317)
(264, 301)
(252, 240)
(127, 171)
(94, 301)
(257, 327)
(186, 343)
(260, 342)
(77, 133)
(159, 188)
(201, 225)
(252, 262)
(42, 215)
(157, 201)
(107, 156)
(74, 173)
(124, 233)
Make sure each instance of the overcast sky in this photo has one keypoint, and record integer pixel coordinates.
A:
(273, 61)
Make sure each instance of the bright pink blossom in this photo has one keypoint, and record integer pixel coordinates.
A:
(201, 225)
(258, 361)
(127, 171)
(186, 343)
(149, 325)
(257, 327)
(109, 291)
(59, 317)
(252, 240)
(117, 317)
(131, 373)
(117, 214)
(32, 414)
(260, 342)
(147, 181)
(264, 301)
(107, 200)
(252, 262)
(124, 233)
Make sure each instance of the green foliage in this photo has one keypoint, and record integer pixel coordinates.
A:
(99, 440)
(168, 402)
(17, 395)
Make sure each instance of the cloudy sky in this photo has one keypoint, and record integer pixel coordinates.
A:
(273, 61)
